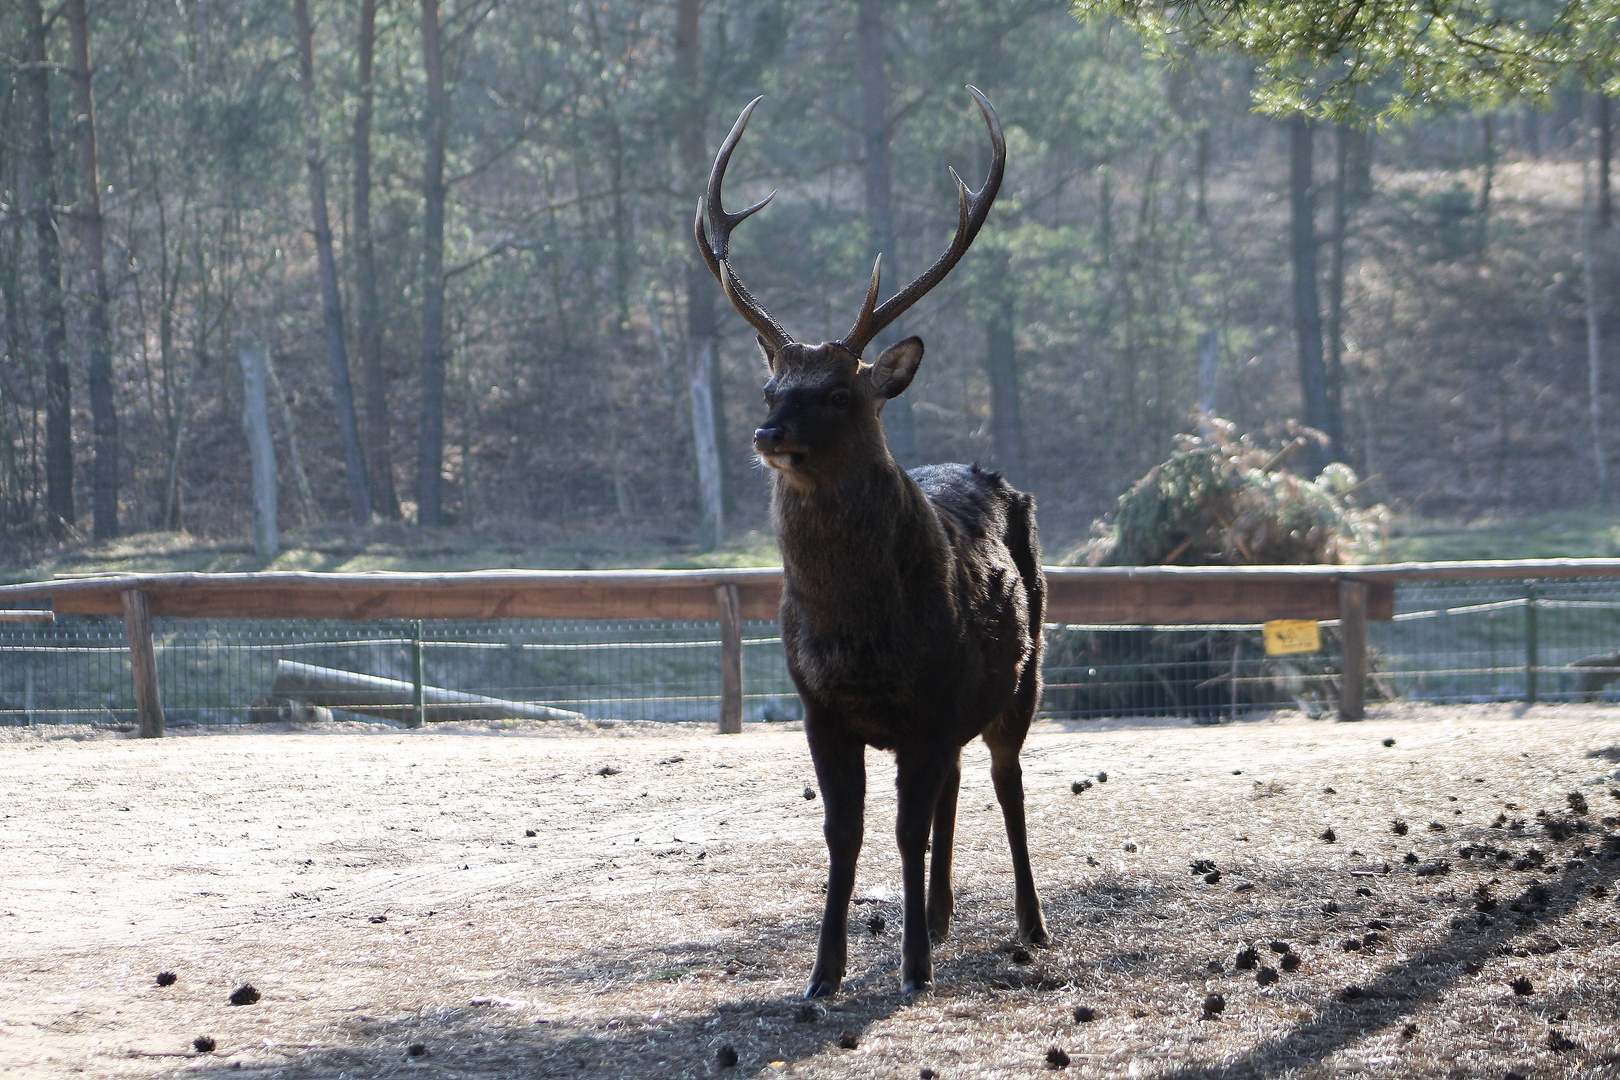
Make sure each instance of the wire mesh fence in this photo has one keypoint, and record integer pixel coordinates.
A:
(217, 671)
(1450, 641)
(1468, 641)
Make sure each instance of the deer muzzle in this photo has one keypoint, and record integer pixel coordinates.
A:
(769, 445)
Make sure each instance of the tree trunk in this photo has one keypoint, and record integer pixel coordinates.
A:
(52, 312)
(18, 487)
(176, 393)
(306, 497)
(103, 408)
(703, 364)
(1201, 168)
(261, 451)
(1530, 132)
(354, 460)
(379, 453)
(897, 418)
(1313, 379)
(1001, 365)
(623, 225)
(430, 444)
(1605, 138)
(171, 476)
(1594, 341)
(702, 334)
(1209, 375)
(469, 430)
(1335, 282)
(702, 374)
(1487, 130)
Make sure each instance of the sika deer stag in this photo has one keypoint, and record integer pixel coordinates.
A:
(911, 602)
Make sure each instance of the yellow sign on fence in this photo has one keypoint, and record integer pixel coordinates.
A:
(1284, 636)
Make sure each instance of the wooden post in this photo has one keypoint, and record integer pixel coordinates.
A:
(143, 663)
(1352, 649)
(731, 659)
(1532, 645)
(418, 693)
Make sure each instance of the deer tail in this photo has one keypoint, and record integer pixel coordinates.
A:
(1023, 541)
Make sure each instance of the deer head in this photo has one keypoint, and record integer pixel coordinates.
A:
(824, 400)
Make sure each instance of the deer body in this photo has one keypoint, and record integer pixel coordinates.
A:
(897, 589)
(911, 603)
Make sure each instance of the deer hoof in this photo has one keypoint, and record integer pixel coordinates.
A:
(913, 988)
(820, 988)
(1036, 934)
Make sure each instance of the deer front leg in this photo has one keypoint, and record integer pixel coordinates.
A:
(941, 898)
(919, 779)
(841, 774)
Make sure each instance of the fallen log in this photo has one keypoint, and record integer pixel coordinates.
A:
(1597, 672)
(394, 699)
(269, 709)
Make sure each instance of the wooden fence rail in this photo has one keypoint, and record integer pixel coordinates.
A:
(1104, 596)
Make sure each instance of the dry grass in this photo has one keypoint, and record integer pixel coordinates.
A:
(666, 911)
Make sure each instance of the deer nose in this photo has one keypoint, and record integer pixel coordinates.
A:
(767, 438)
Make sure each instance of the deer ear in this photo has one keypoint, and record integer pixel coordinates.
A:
(896, 368)
(770, 357)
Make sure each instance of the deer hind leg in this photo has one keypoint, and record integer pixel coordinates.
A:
(941, 898)
(1005, 738)
(919, 776)
(841, 774)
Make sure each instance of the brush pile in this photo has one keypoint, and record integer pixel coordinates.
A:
(1222, 499)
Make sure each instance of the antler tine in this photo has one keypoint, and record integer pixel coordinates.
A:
(861, 331)
(714, 238)
(972, 209)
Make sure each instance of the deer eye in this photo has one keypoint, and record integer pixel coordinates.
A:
(839, 398)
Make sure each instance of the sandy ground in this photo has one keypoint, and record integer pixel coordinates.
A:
(504, 903)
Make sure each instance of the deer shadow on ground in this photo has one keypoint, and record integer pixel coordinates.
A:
(742, 1036)
(1360, 1011)
(748, 1032)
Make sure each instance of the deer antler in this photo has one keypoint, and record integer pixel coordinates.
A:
(719, 226)
(972, 208)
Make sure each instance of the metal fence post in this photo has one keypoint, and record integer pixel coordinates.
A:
(1532, 644)
(143, 663)
(419, 716)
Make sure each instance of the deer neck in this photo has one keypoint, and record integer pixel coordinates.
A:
(857, 534)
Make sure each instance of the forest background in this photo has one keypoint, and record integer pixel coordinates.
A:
(501, 327)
